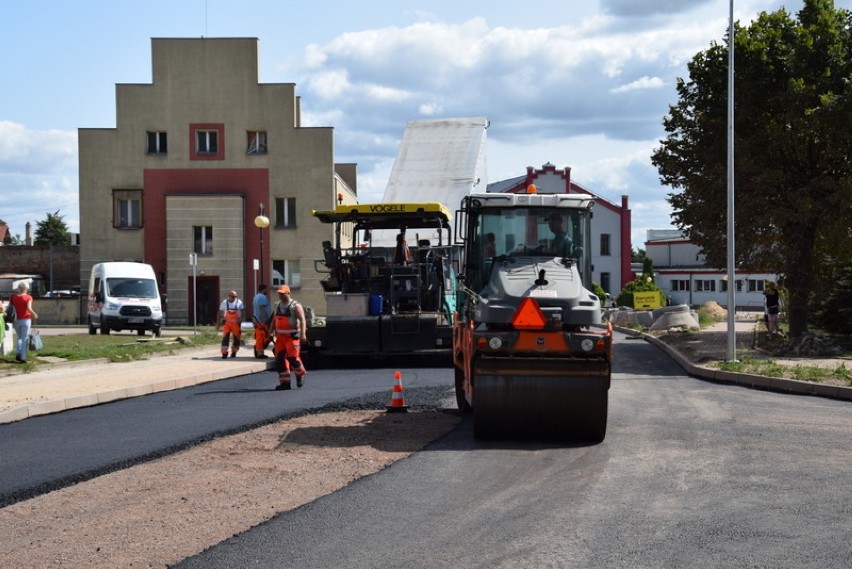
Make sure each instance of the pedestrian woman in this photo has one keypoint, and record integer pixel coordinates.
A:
(23, 304)
(773, 307)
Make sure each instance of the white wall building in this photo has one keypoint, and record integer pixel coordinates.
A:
(680, 271)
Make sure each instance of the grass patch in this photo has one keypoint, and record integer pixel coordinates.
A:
(114, 347)
(816, 374)
(705, 318)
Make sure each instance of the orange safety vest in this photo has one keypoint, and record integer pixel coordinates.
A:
(285, 318)
(231, 314)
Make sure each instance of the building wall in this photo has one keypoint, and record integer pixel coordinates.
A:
(38, 259)
(748, 294)
(208, 84)
(681, 273)
(674, 253)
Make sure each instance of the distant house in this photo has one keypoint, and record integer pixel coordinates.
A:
(4, 232)
(195, 157)
(610, 225)
(681, 272)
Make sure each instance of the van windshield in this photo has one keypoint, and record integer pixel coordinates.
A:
(131, 288)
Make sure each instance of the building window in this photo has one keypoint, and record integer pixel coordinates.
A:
(127, 209)
(285, 212)
(288, 271)
(157, 142)
(680, 285)
(256, 142)
(605, 244)
(207, 142)
(705, 285)
(605, 282)
(202, 239)
(723, 285)
(755, 285)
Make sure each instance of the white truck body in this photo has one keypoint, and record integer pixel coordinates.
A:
(124, 296)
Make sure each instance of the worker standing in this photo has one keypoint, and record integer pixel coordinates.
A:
(401, 254)
(230, 318)
(288, 320)
(260, 319)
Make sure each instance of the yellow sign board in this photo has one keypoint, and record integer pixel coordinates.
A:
(646, 299)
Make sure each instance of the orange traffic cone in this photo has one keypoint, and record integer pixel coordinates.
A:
(397, 402)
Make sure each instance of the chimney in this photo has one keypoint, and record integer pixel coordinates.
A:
(29, 234)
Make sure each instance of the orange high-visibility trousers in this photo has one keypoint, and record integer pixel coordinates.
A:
(287, 355)
(229, 329)
(261, 338)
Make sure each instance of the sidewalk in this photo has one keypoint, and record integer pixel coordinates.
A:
(58, 387)
(697, 359)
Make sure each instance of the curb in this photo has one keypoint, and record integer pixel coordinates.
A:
(776, 384)
(87, 400)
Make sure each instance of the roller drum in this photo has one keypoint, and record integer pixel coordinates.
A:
(547, 398)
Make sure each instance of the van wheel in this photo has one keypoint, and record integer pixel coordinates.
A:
(140, 332)
(104, 330)
(157, 332)
(92, 329)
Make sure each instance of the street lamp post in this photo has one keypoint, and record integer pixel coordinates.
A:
(261, 221)
(732, 302)
(50, 235)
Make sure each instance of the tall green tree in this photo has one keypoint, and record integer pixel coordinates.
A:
(792, 164)
(52, 231)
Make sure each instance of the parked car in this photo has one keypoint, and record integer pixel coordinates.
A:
(61, 294)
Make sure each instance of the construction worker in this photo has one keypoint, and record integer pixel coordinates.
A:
(230, 318)
(288, 319)
(260, 319)
(402, 254)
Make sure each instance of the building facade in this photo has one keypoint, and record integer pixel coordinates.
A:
(196, 156)
(610, 224)
(680, 270)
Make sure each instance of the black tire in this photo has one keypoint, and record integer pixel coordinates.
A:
(92, 328)
(157, 331)
(461, 400)
(140, 332)
(104, 329)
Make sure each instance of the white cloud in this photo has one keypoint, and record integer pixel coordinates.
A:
(38, 175)
(431, 109)
(641, 84)
(329, 84)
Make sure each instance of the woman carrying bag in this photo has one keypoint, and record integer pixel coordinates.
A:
(24, 312)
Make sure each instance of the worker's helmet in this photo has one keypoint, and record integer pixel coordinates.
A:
(283, 289)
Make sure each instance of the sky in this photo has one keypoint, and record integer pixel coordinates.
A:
(583, 84)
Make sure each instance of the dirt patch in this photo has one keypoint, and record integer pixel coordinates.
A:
(715, 310)
(161, 512)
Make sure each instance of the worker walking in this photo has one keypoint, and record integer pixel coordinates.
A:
(260, 319)
(291, 328)
(230, 318)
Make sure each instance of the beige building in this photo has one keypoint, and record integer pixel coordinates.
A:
(195, 158)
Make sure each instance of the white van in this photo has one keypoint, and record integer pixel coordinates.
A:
(124, 296)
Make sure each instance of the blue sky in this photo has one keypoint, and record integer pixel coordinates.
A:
(578, 83)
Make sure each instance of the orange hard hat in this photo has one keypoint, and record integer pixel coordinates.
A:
(283, 289)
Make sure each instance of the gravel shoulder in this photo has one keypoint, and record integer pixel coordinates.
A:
(160, 512)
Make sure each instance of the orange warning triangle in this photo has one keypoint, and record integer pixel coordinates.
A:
(528, 316)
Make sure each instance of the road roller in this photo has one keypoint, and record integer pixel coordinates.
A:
(531, 355)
